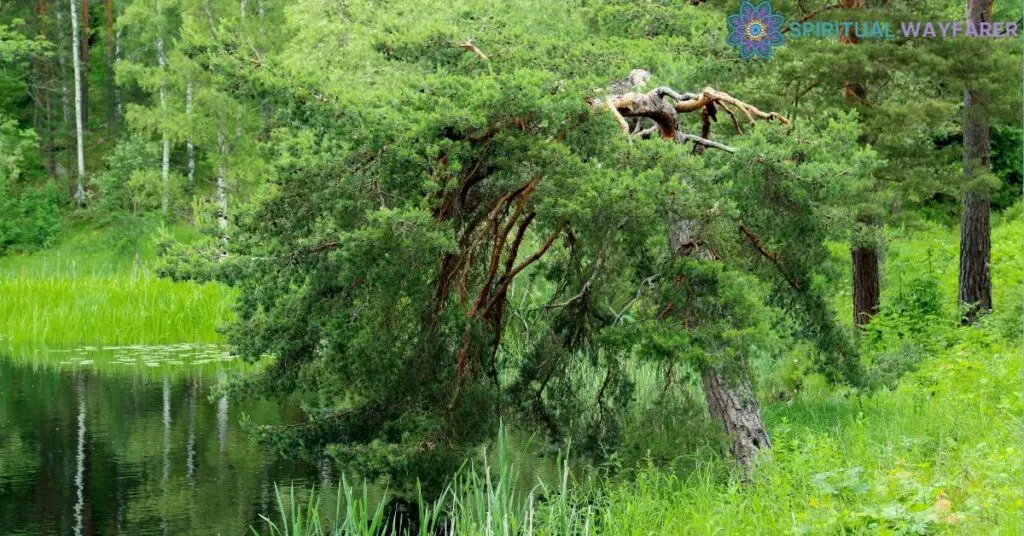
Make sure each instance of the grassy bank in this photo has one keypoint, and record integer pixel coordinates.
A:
(83, 292)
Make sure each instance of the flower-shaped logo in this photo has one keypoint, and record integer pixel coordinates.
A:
(755, 30)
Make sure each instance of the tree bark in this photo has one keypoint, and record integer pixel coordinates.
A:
(222, 191)
(736, 407)
(108, 42)
(731, 403)
(117, 89)
(84, 51)
(975, 285)
(165, 170)
(79, 124)
(865, 284)
(44, 70)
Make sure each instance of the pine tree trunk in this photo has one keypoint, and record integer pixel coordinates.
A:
(975, 288)
(44, 69)
(731, 403)
(117, 89)
(108, 42)
(975, 253)
(79, 134)
(865, 284)
(734, 405)
(84, 50)
(864, 258)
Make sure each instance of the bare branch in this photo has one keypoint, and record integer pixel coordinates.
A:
(712, 95)
(470, 46)
(618, 117)
(682, 138)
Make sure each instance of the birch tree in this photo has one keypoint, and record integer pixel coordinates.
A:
(165, 170)
(79, 126)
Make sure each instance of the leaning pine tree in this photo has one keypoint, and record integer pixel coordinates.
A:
(457, 226)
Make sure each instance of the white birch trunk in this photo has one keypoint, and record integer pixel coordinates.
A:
(165, 171)
(79, 134)
(243, 8)
(191, 148)
(222, 191)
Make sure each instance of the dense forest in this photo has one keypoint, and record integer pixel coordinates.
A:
(553, 267)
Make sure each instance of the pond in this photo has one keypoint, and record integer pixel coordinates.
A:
(134, 448)
(130, 440)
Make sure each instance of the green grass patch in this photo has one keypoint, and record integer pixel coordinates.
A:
(85, 292)
(70, 311)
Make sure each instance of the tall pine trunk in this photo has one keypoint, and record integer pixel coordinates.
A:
(975, 288)
(865, 283)
(84, 51)
(44, 73)
(79, 126)
(863, 256)
(108, 42)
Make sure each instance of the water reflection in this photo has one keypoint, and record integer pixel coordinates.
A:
(80, 455)
(85, 453)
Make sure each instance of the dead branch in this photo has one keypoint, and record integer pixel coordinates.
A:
(712, 95)
(735, 122)
(663, 104)
(618, 117)
(681, 137)
(469, 45)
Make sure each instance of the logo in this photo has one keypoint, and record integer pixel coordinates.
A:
(755, 30)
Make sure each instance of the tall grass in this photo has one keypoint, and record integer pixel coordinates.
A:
(481, 501)
(67, 310)
(86, 291)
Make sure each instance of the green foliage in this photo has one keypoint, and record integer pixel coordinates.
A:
(29, 212)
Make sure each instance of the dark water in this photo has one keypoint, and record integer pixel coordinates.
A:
(85, 453)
